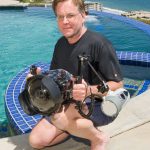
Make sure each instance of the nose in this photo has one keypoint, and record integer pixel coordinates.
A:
(65, 20)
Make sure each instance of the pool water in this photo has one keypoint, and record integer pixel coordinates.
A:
(28, 36)
(123, 36)
(126, 5)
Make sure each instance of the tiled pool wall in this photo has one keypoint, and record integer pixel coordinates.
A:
(12, 7)
(141, 59)
(134, 58)
(20, 121)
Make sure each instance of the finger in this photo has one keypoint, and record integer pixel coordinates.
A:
(83, 81)
(38, 70)
(79, 87)
(29, 76)
(79, 94)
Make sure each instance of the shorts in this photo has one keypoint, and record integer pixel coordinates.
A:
(97, 116)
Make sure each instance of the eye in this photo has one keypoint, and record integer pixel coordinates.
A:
(69, 16)
(60, 17)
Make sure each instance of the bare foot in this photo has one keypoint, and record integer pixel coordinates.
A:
(100, 142)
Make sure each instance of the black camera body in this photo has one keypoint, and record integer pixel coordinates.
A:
(45, 93)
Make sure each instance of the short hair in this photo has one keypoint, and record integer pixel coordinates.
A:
(79, 3)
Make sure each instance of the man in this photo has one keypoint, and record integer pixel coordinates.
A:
(77, 40)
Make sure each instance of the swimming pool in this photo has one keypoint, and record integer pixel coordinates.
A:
(27, 36)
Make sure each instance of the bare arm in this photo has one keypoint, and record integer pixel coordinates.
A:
(80, 91)
(115, 85)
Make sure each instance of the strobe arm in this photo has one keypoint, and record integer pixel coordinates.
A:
(102, 87)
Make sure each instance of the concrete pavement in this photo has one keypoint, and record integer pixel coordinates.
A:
(6, 3)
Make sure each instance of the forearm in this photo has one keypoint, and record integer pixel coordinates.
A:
(114, 85)
(111, 84)
(80, 91)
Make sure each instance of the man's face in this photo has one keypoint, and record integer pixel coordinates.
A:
(70, 20)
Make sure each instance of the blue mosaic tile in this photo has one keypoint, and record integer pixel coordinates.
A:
(134, 58)
(14, 110)
(22, 123)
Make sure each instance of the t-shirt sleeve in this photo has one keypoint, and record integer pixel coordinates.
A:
(108, 63)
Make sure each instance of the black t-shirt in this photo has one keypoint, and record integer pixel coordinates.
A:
(101, 54)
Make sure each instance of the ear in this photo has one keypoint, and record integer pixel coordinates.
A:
(83, 16)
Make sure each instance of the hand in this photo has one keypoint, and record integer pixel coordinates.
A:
(38, 71)
(79, 91)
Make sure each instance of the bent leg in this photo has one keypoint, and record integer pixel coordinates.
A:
(84, 128)
(45, 134)
(71, 121)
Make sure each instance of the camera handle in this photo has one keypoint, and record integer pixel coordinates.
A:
(33, 69)
(81, 60)
(102, 87)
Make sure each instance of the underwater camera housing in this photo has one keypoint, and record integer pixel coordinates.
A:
(45, 93)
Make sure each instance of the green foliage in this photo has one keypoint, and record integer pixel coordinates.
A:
(144, 20)
(39, 1)
(25, 1)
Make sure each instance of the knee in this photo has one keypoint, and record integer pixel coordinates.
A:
(36, 142)
(33, 141)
